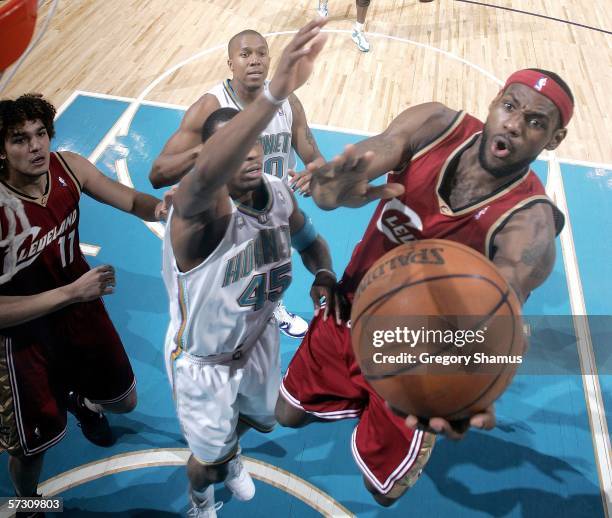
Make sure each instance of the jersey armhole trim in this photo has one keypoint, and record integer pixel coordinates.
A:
(457, 119)
(66, 167)
(503, 220)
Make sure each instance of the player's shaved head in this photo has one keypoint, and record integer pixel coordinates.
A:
(232, 46)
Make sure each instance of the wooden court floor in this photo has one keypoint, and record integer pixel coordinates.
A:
(447, 50)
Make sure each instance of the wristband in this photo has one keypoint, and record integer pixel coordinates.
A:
(325, 270)
(271, 98)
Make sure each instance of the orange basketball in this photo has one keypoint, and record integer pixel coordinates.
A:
(17, 23)
(437, 330)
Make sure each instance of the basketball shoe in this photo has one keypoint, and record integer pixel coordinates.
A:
(94, 425)
(359, 37)
(238, 480)
(322, 10)
(204, 507)
(289, 323)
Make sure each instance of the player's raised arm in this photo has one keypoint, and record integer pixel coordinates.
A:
(344, 180)
(304, 143)
(224, 153)
(525, 248)
(102, 188)
(181, 151)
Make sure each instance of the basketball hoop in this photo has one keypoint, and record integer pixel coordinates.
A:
(17, 22)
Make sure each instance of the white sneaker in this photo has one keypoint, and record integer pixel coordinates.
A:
(289, 323)
(322, 10)
(360, 40)
(206, 508)
(238, 480)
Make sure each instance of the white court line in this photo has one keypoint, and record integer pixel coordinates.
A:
(590, 380)
(268, 473)
(92, 250)
(544, 157)
(66, 103)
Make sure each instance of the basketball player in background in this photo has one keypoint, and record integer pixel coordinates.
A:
(451, 178)
(287, 132)
(59, 348)
(358, 34)
(226, 263)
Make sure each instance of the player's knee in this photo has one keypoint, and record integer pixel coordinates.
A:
(381, 499)
(201, 475)
(289, 416)
(363, 3)
(126, 405)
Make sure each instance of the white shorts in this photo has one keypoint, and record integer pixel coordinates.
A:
(210, 398)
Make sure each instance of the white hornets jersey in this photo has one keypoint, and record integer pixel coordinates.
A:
(225, 302)
(279, 156)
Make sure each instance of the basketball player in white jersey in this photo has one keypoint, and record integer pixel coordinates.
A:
(226, 263)
(286, 133)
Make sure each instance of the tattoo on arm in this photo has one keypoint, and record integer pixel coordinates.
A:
(535, 257)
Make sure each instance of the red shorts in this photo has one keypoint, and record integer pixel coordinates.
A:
(324, 379)
(80, 350)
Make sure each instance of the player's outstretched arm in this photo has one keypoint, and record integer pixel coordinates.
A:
(525, 249)
(105, 190)
(15, 310)
(344, 181)
(525, 256)
(223, 154)
(182, 149)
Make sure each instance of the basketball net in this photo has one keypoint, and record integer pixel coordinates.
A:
(14, 211)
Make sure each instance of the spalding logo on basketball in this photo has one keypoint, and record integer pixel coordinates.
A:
(399, 222)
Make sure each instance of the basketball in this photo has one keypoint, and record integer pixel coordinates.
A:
(437, 330)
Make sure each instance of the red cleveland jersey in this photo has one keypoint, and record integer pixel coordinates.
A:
(422, 213)
(49, 256)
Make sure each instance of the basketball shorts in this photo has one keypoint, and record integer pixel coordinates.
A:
(210, 398)
(324, 380)
(81, 352)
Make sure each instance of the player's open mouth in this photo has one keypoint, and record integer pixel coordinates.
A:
(253, 172)
(38, 161)
(500, 147)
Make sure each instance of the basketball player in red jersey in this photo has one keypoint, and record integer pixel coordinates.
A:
(55, 335)
(451, 177)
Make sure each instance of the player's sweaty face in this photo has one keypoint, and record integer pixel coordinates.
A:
(250, 60)
(521, 123)
(27, 149)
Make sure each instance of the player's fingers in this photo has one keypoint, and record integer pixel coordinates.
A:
(307, 33)
(316, 300)
(412, 422)
(384, 192)
(363, 161)
(484, 421)
(440, 425)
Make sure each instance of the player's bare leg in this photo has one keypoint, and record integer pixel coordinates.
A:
(201, 484)
(126, 405)
(291, 417)
(25, 473)
(358, 34)
(322, 9)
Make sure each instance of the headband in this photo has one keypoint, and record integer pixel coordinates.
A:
(546, 86)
